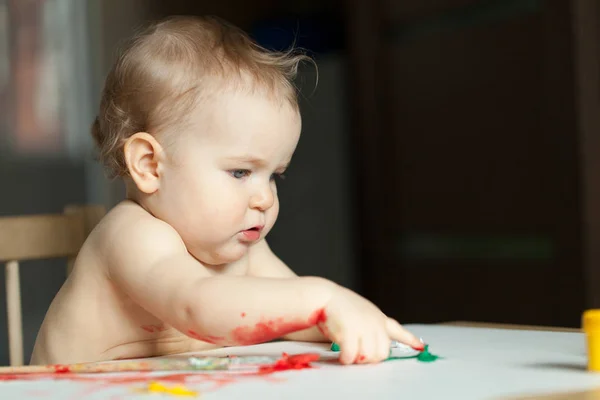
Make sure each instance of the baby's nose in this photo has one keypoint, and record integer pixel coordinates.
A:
(262, 200)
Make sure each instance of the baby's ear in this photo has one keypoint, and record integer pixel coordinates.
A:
(143, 154)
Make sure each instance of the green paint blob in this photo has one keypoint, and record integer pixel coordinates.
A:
(335, 347)
(426, 356)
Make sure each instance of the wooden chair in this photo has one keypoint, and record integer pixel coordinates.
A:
(33, 237)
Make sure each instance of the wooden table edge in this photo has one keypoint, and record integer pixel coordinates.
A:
(493, 325)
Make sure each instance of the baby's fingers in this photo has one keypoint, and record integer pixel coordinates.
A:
(397, 332)
(349, 350)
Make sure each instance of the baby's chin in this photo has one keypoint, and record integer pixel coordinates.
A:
(220, 256)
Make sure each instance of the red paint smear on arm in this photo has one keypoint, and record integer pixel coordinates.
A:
(154, 328)
(208, 339)
(273, 329)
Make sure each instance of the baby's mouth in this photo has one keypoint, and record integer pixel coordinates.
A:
(252, 234)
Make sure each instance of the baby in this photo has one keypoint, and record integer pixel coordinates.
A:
(199, 122)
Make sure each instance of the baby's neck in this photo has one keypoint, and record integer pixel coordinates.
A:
(133, 194)
(131, 191)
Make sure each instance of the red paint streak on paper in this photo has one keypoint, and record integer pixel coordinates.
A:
(96, 384)
(286, 363)
(209, 381)
(61, 369)
(129, 378)
(209, 338)
(272, 329)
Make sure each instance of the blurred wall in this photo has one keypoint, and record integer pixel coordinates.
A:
(33, 180)
(315, 230)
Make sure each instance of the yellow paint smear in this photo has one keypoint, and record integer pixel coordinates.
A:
(156, 387)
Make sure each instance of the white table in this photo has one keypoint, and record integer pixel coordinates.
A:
(478, 363)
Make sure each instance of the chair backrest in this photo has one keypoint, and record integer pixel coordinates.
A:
(32, 237)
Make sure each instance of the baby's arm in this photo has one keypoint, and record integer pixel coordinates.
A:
(150, 263)
(264, 263)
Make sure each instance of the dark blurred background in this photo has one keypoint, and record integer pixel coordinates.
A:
(449, 167)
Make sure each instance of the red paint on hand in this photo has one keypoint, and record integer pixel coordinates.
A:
(208, 339)
(318, 317)
(361, 358)
(285, 363)
(419, 348)
(273, 329)
(243, 315)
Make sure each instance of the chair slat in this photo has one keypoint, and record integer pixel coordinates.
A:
(13, 308)
(91, 216)
(40, 236)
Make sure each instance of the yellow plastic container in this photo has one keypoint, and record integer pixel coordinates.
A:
(591, 328)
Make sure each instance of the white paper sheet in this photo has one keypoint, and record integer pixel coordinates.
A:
(477, 363)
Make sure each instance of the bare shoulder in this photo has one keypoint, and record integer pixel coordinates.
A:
(128, 232)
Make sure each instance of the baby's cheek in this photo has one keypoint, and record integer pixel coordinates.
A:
(275, 208)
(272, 215)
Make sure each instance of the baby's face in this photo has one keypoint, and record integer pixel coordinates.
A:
(220, 189)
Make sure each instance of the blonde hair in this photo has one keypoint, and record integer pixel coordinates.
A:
(168, 67)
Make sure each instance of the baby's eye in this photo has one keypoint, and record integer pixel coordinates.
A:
(239, 173)
(278, 175)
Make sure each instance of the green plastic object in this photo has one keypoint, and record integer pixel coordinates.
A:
(424, 356)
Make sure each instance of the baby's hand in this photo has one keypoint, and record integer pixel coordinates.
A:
(363, 332)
